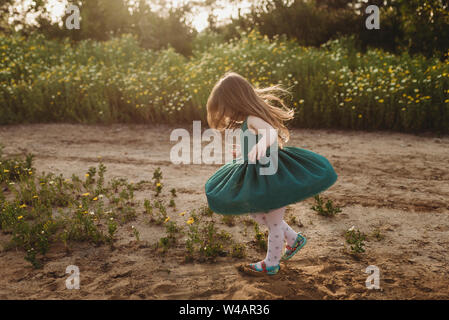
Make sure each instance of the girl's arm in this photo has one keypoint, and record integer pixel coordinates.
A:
(269, 136)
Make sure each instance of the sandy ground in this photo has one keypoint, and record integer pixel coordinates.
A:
(396, 183)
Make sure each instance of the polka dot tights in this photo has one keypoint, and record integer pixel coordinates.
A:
(278, 231)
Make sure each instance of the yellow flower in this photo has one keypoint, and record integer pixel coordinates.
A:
(86, 174)
(158, 184)
(95, 199)
(19, 217)
(23, 206)
(360, 116)
(86, 194)
(167, 220)
(35, 197)
(190, 221)
(381, 100)
(182, 214)
(6, 171)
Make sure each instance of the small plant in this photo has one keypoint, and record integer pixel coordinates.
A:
(158, 189)
(169, 241)
(328, 211)
(260, 238)
(112, 228)
(206, 211)
(136, 233)
(172, 204)
(173, 193)
(377, 234)
(148, 207)
(157, 176)
(292, 220)
(205, 242)
(355, 239)
(238, 251)
(160, 216)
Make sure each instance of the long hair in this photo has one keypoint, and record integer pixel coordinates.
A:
(233, 99)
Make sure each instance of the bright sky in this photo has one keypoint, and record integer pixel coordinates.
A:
(198, 18)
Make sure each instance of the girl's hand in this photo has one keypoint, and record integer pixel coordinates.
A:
(257, 152)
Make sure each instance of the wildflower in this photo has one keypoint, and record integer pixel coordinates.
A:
(6, 171)
(360, 116)
(182, 214)
(167, 220)
(35, 197)
(23, 206)
(381, 100)
(95, 199)
(86, 194)
(158, 184)
(190, 221)
(19, 217)
(87, 175)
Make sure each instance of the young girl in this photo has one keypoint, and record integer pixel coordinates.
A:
(239, 187)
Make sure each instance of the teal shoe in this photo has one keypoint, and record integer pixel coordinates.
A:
(291, 251)
(268, 270)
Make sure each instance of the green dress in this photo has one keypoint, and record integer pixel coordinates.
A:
(238, 187)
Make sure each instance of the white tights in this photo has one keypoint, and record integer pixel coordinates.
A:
(278, 230)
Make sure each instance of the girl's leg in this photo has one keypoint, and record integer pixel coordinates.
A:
(289, 234)
(278, 230)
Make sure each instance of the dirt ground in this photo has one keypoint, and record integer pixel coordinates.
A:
(395, 183)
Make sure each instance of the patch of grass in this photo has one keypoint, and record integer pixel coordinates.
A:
(43, 209)
(260, 238)
(238, 251)
(356, 240)
(328, 210)
(205, 241)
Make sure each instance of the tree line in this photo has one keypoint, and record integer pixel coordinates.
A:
(416, 26)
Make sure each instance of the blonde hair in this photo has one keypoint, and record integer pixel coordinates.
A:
(233, 99)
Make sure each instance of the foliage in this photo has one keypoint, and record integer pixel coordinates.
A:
(328, 210)
(334, 86)
(40, 210)
(356, 240)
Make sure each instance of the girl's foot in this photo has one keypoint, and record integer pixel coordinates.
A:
(291, 251)
(261, 267)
